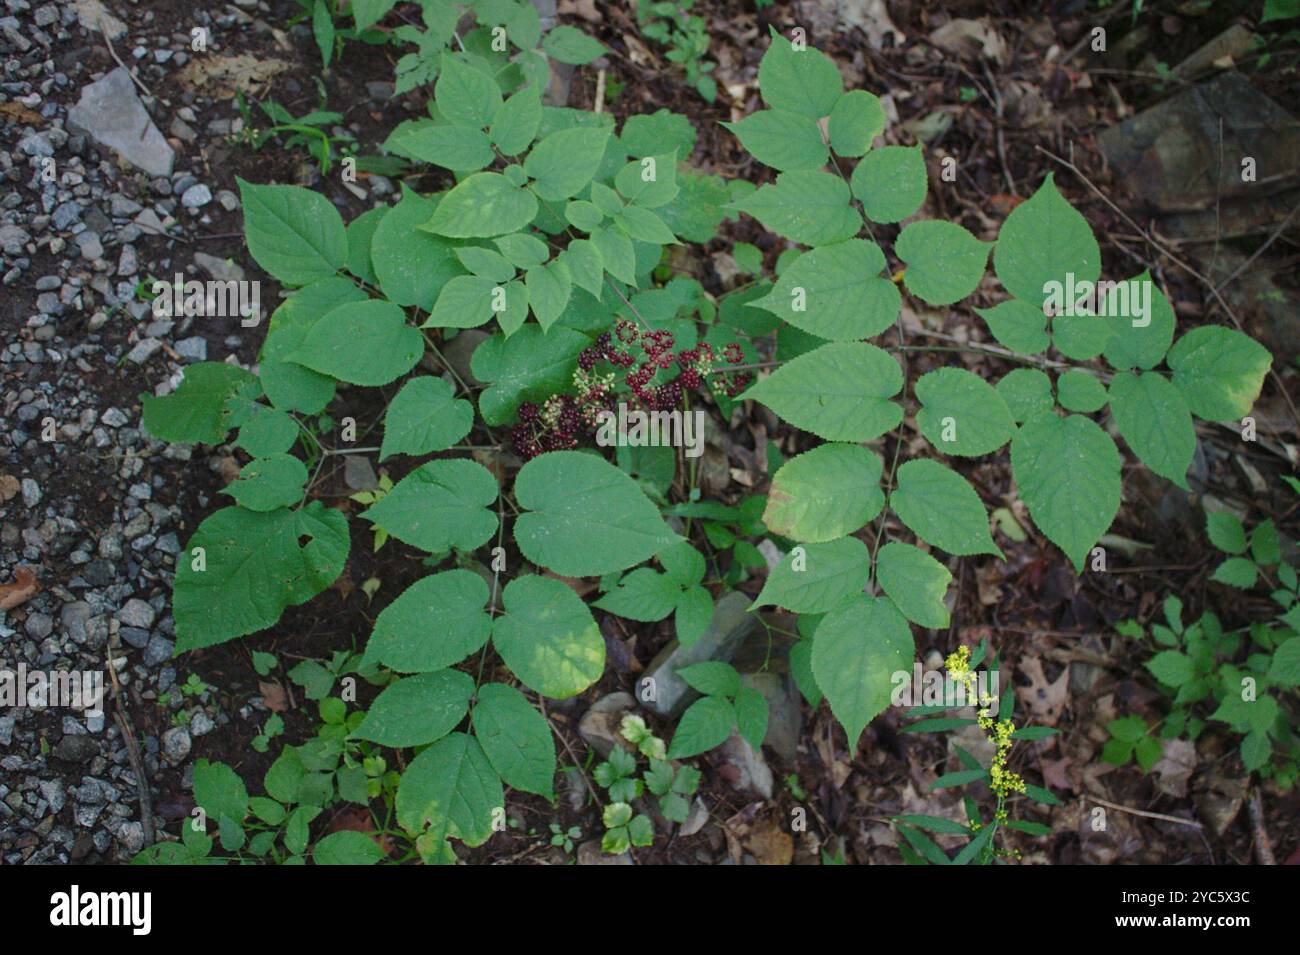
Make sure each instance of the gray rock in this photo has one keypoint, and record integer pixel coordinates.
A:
(31, 492)
(143, 350)
(158, 651)
(731, 624)
(176, 743)
(65, 215)
(196, 197)
(77, 748)
(745, 769)
(39, 625)
(111, 113)
(599, 725)
(74, 618)
(137, 637)
(784, 715)
(194, 348)
(12, 239)
(201, 724)
(7, 730)
(36, 145)
(131, 835)
(358, 473)
(137, 613)
(114, 418)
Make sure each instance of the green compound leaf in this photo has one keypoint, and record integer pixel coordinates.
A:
(251, 567)
(548, 637)
(835, 292)
(425, 416)
(890, 182)
(515, 123)
(452, 789)
(530, 365)
(856, 120)
(940, 507)
(516, 739)
(1285, 668)
(1068, 473)
(706, 723)
(458, 148)
(1237, 572)
(859, 646)
(712, 677)
(803, 81)
(482, 205)
(1154, 419)
(1220, 371)
(268, 483)
(219, 791)
(196, 411)
(1081, 336)
(268, 432)
(1077, 390)
(751, 716)
(782, 139)
(1017, 325)
(643, 594)
(570, 45)
(584, 516)
(693, 615)
(290, 386)
(436, 622)
(440, 505)
(347, 847)
(468, 301)
(418, 709)
(549, 288)
(1027, 391)
(523, 250)
(1225, 531)
(650, 182)
(565, 161)
(683, 563)
(915, 582)
(944, 262)
(805, 205)
(839, 391)
(364, 343)
(465, 95)
(412, 265)
(825, 493)
(1043, 241)
(653, 133)
(1143, 345)
(294, 233)
(814, 578)
(962, 414)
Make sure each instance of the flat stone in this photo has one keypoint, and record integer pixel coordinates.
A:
(111, 113)
(731, 624)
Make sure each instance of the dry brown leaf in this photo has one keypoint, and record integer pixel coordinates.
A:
(274, 696)
(223, 76)
(1175, 767)
(1046, 700)
(23, 589)
(21, 114)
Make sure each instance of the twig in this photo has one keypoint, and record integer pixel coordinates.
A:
(129, 72)
(1263, 844)
(600, 92)
(1260, 251)
(1214, 290)
(997, 125)
(1142, 812)
(133, 755)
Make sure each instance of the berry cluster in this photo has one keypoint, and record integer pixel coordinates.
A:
(556, 424)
